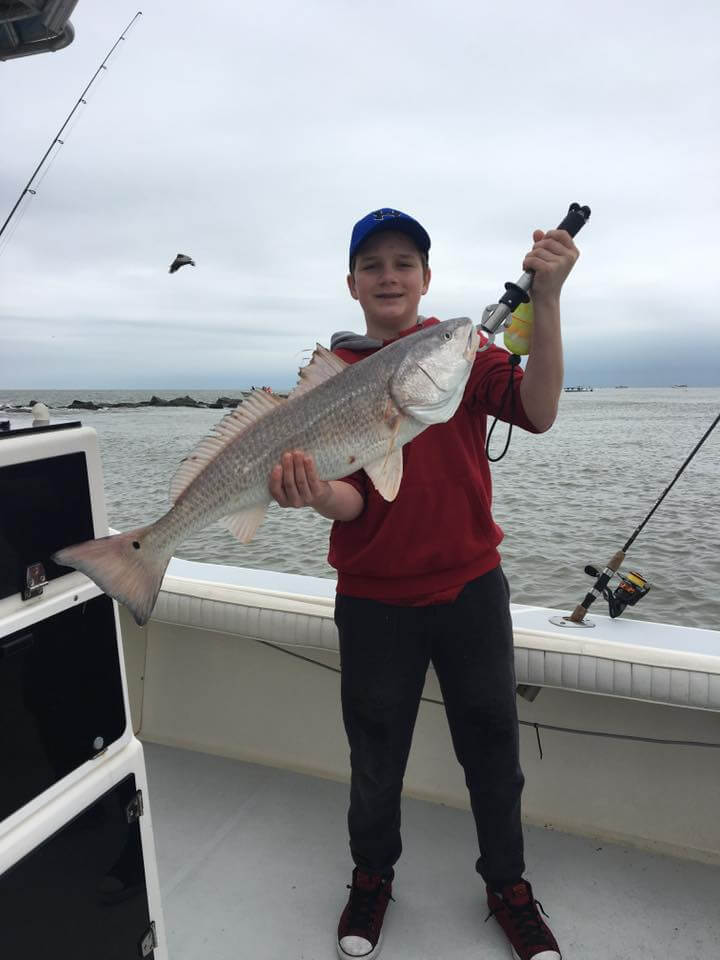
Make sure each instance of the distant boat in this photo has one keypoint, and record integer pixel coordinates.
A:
(621, 386)
(679, 385)
(578, 389)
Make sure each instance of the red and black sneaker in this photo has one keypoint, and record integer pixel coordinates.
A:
(516, 910)
(360, 927)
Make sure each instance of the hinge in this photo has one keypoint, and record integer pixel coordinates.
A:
(35, 580)
(134, 810)
(149, 941)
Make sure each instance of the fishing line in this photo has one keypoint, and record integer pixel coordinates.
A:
(57, 139)
(523, 723)
(672, 482)
(31, 193)
(22, 210)
(70, 128)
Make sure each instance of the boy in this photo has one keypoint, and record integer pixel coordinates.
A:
(420, 581)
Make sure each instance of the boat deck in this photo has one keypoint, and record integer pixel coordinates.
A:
(253, 862)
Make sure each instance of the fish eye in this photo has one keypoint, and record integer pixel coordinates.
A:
(447, 335)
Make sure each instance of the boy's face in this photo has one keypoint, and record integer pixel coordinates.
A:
(388, 280)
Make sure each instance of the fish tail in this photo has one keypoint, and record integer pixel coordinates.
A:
(127, 566)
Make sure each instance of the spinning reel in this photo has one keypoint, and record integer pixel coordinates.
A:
(631, 588)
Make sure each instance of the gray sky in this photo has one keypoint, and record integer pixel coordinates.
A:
(254, 136)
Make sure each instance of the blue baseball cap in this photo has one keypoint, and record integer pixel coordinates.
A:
(388, 219)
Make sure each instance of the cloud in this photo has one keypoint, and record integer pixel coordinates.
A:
(255, 148)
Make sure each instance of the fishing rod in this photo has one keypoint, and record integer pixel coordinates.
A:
(499, 314)
(513, 312)
(633, 586)
(27, 189)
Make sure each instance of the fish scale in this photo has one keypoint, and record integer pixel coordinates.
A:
(331, 432)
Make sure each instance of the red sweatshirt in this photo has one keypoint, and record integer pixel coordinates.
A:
(438, 533)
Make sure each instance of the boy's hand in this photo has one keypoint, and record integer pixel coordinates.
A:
(294, 482)
(552, 258)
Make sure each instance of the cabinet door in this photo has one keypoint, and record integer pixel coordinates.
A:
(61, 699)
(44, 506)
(81, 893)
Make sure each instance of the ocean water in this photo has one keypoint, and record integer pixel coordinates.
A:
(565, 498)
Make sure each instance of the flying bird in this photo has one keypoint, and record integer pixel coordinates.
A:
(180, 261)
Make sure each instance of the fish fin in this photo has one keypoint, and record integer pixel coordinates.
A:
(244, 523)
(387, 473)
(123, 566)
(323, 365)
(256, 406)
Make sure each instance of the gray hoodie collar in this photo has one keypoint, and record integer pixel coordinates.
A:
(347, 340)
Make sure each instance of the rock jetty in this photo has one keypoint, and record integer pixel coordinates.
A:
(219, 404)
(222, 403)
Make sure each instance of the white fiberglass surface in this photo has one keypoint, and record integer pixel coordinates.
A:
(257, 579)
(622, 630)
(253, 862)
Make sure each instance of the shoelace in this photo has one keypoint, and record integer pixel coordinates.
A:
(364, 904)
(528, 924)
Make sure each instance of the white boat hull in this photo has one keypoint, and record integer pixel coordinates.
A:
(199, 680)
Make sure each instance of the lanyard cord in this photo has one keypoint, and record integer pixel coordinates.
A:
(510, 388)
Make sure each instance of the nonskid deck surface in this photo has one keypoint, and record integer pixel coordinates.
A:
(254, 861)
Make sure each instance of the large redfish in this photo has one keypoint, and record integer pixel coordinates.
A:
(345, 416)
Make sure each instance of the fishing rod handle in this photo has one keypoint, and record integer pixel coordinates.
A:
(575, 219)
(613, 565)
(517, 293)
